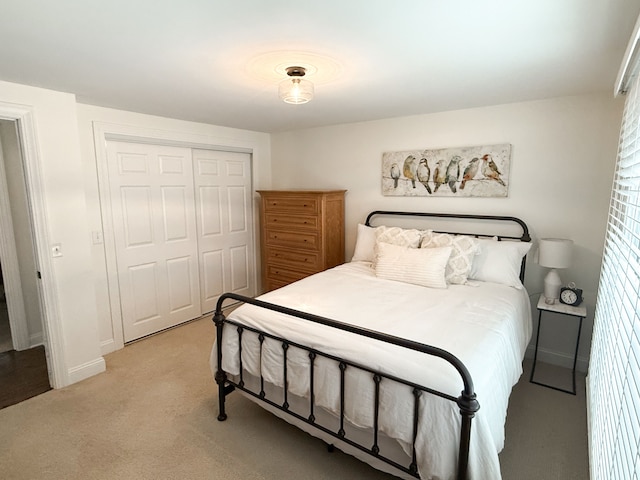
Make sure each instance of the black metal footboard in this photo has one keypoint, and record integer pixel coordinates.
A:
(466, 401)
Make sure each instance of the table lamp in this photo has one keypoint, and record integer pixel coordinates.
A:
(554, 253)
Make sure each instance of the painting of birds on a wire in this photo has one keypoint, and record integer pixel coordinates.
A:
(480, 171)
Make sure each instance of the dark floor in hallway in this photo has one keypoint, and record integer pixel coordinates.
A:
(23, 375)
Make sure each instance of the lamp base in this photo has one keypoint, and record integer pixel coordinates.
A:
(552, 284)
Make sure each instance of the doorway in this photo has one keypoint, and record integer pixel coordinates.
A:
(23, 363)
(17, 252)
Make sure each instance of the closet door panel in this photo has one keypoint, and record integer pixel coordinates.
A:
(212, 275)
(182, 294)
(155, 236)
(210, 213)
(144, 295)
(176, 214)
(239, 260)
(223, 191)
(137, 213)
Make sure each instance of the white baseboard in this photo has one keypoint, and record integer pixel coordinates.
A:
(86, 370)
(108, 346)
(558, 358)
(36, 340)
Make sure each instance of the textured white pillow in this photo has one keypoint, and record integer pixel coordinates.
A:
(365, 244)
(405, 237)
(461, 259)
(499, 262)
(424, 267)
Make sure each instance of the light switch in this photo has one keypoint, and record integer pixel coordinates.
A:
(56, 250)
(96, 237)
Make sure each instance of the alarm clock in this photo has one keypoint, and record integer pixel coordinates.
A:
(570, 295)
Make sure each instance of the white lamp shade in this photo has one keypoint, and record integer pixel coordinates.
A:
(295, 90)
(555, 252)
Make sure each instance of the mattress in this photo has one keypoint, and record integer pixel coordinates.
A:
(486, 325)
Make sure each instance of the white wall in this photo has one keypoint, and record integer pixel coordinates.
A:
(148, 126)
(563, 152)
(68, 280)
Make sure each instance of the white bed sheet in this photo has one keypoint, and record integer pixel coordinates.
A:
(487, 326)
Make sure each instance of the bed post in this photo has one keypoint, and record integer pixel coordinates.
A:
(221, 376)
(468, 408)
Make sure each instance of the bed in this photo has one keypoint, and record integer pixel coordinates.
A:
(404, 357)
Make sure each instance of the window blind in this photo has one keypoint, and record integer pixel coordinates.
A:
(614, 368)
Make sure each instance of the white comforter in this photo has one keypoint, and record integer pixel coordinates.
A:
(487, 326)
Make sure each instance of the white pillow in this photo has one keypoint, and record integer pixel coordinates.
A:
(404, 237)
(499, 262)
(424, 267)
(365, 244)
(461, 259)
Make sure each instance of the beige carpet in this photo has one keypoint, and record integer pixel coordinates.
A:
(152, 415)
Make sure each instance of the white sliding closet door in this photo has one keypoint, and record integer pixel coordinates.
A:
(153, 208)
(225, 224)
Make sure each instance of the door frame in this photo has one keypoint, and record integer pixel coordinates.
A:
(24, 117)
(104, 132)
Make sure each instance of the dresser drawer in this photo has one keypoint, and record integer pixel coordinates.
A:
(302, 240)
(283, 220)
(294, 259)
(272, 284)
(279, 274)
(297, 205)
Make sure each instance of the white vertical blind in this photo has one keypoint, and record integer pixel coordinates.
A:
(614, 372)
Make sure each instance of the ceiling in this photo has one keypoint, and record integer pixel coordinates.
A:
(220, 61)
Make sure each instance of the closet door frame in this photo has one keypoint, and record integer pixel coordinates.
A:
(105, 132)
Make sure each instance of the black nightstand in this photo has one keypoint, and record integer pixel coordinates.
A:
(579, 312)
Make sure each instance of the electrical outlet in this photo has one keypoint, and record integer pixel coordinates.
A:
(56, 250)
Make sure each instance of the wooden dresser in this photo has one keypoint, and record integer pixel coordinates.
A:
(302, 234)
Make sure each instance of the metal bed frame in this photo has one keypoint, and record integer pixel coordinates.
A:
(467, 402)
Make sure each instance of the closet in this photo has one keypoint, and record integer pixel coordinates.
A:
(182, 231)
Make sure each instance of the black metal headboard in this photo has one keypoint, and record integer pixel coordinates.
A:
(524, 237)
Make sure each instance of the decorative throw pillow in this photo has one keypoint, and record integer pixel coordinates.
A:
(499, 262)
(365, 244)
(424, 267)
(461, 259)
(404, 237)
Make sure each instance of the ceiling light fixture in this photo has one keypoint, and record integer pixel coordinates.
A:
(296, 89)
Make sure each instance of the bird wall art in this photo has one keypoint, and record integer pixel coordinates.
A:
(480, 171)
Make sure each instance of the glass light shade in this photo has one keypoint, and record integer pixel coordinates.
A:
(295, 90)
(555, 252)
